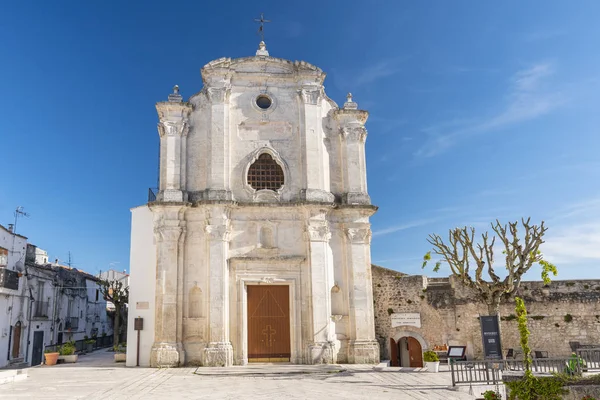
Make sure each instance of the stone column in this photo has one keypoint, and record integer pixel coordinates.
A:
(318, 234)
(219, 352)
(167, 350)
(218, 146)
(312, 143)
(173, 128)
(363, 347)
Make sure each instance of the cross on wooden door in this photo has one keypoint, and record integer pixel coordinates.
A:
(269, 332)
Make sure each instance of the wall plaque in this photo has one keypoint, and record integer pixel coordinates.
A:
(142, 305)
(403, 319)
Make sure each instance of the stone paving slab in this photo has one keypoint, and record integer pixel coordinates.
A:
(96, 377)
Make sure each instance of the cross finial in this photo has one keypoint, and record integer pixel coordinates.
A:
(261, 28)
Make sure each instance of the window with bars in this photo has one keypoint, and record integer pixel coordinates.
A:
(265, 173)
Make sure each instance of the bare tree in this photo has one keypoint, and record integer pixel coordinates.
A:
(117, 293)
(469, 261)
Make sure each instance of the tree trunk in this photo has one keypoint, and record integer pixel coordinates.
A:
(494, 309)
(116, 325)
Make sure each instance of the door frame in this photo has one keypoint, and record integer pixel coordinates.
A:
(243, 272)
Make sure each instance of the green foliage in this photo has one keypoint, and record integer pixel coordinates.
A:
(120, 348)
(570, 283)
(510, 317)
(568, 318)
(430, 356)
(50, 351)
(67, 349)
(574, 365)
(547, 269)
(390, 311)
(537, 317)
(586, 287)
(89, 341)
(534, 388)
(521, 311)
(491, 395)
(588, 397)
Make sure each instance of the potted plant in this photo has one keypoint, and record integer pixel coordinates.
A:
(491, 395)
(67, 352)
(51, 356)
(120, 355)
(89, 344)
(432, 361)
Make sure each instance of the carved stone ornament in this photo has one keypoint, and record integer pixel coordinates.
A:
(268, 280)
(359, 235)
(166, 233)
(358, 133)
(173, 128)
(318, 233)
(217, 94)
(311, 96)
(218, 232)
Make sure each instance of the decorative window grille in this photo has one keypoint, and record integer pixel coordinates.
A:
(265, 173)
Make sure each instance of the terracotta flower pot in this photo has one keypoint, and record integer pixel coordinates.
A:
(51, 358)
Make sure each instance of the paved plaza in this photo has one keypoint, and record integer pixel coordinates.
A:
(96, 376)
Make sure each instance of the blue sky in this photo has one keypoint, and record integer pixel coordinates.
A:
(479, 110)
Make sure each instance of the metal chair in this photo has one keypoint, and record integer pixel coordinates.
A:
(540, 354)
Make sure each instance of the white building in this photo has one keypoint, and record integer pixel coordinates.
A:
(13, 302)
(257, 246)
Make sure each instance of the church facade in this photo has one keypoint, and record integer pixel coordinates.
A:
(257, 245)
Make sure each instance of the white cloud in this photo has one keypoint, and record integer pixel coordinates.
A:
(573, 236)
(527, 98)
(404, 226)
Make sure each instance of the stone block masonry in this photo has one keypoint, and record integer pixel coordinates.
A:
(558, 314)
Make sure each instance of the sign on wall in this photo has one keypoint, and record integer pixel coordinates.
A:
(490, 335)
(406, 319)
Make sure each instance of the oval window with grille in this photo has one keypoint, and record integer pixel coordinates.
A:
(265, 173)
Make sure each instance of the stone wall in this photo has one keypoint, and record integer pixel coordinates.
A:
(562, 312)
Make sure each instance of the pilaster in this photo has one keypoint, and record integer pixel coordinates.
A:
(173, 127)
(169, 230)
(363, 348)
(219, 352)
(318, 234)
(219, 143)
(315, 188)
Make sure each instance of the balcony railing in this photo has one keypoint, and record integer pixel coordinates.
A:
(152, 193)
(41, 309)
(72, 323)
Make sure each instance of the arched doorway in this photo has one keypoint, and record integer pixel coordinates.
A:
(406, 350)
(16, 340)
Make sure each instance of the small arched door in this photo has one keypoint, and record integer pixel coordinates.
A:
(410, 352)
(16, 340)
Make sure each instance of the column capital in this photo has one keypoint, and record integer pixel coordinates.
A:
(359, 235)
(311, 94)
(318, 233)
(218, 232)
(168, 233)
(354, 133)
(218, 95)
(173, 128)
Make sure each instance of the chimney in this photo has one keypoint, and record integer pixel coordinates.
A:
(10, 227)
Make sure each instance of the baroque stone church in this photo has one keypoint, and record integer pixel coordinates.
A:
(256, 247)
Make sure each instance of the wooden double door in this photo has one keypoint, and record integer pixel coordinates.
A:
(268, 323)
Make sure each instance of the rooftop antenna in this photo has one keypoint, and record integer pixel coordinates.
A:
(19, 213)
(261, 28)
